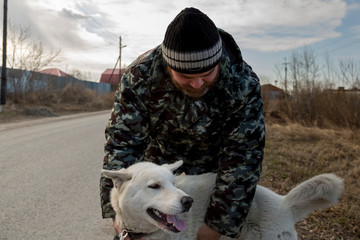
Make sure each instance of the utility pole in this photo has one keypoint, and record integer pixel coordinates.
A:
(3, 69)
(285, 63)
(120, 47)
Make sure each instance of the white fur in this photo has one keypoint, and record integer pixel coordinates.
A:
(271, 216)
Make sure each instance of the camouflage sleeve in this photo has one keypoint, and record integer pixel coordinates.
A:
(126, 136)
(240, 166)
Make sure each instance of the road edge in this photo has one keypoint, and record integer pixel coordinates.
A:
(28, 123)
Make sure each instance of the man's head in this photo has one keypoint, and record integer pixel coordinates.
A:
(192, 49)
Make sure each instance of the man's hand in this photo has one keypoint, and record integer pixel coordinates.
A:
(207, 233)
(118, 230)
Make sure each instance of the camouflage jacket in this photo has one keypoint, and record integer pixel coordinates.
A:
(222, 131)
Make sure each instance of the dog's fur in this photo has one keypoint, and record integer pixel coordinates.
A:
(145, 186)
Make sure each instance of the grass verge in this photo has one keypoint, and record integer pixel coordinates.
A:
(71, 99)
(295, 153)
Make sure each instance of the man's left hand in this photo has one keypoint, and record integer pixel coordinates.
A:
(207, 233)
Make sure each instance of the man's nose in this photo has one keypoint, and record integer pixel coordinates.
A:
(197, 83)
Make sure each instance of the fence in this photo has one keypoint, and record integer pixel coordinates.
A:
(25, 81)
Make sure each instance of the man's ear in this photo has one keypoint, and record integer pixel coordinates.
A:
(118, 176)
(172, 167)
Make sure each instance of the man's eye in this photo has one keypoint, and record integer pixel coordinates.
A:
(154, 186)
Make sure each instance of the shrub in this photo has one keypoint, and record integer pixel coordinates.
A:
(322, 108)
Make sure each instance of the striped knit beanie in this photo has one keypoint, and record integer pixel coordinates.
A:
(192, 43)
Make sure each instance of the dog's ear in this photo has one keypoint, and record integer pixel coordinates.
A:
(118, 177)
(172, 167)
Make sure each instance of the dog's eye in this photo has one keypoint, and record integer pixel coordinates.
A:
(154, 186)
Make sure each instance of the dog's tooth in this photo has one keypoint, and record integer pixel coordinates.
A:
(157, 213)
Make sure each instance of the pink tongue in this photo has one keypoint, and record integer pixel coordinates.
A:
(179, 224)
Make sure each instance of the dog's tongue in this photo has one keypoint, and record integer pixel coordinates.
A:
(178, 223)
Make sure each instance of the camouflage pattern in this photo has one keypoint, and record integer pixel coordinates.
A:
(222, 131)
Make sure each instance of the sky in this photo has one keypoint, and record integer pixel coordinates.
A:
(267, 31)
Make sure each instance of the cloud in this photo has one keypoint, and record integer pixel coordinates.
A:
(259, 25)
(88, 30)
(356, 31)
(353, 5)
(281, 25)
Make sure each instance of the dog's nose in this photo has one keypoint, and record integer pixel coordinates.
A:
(186, 202)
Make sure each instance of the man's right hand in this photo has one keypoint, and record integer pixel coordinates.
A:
(207, 233)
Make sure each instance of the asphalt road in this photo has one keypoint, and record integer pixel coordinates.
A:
(49, 178)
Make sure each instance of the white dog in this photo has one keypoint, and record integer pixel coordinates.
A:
(149, 200)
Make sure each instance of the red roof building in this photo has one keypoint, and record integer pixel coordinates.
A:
(271, 91)
(55, 72)
(105, 77)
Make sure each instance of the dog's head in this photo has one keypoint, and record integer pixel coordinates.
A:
(146, 199)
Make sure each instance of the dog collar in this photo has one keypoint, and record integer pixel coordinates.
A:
(132, 235)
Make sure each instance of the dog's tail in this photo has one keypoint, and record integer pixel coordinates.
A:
(318, 192)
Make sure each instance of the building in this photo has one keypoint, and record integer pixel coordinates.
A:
(24, 81)
(269, 91)
(56, 72)
(111, 76)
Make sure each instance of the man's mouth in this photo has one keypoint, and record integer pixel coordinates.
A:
(170, 222)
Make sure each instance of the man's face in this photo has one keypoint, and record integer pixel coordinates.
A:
(195, 85)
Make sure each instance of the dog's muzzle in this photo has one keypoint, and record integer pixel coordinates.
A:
(171, 222)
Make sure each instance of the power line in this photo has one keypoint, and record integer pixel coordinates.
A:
(108, 31)
(96, 21)
(342, 47)
(343, 38)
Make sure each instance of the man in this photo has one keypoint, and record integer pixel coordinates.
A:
(192, 98)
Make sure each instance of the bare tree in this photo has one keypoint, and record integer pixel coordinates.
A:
(349, 72)
(76, 73)
(26, 54)
(311, 68)
(304, 70)
(280, 73)
(295, 66)
(329, 73)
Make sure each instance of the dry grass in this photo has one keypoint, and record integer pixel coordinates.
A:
(71, 99)
(295, 153)
(316, 132)
(325, 109)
